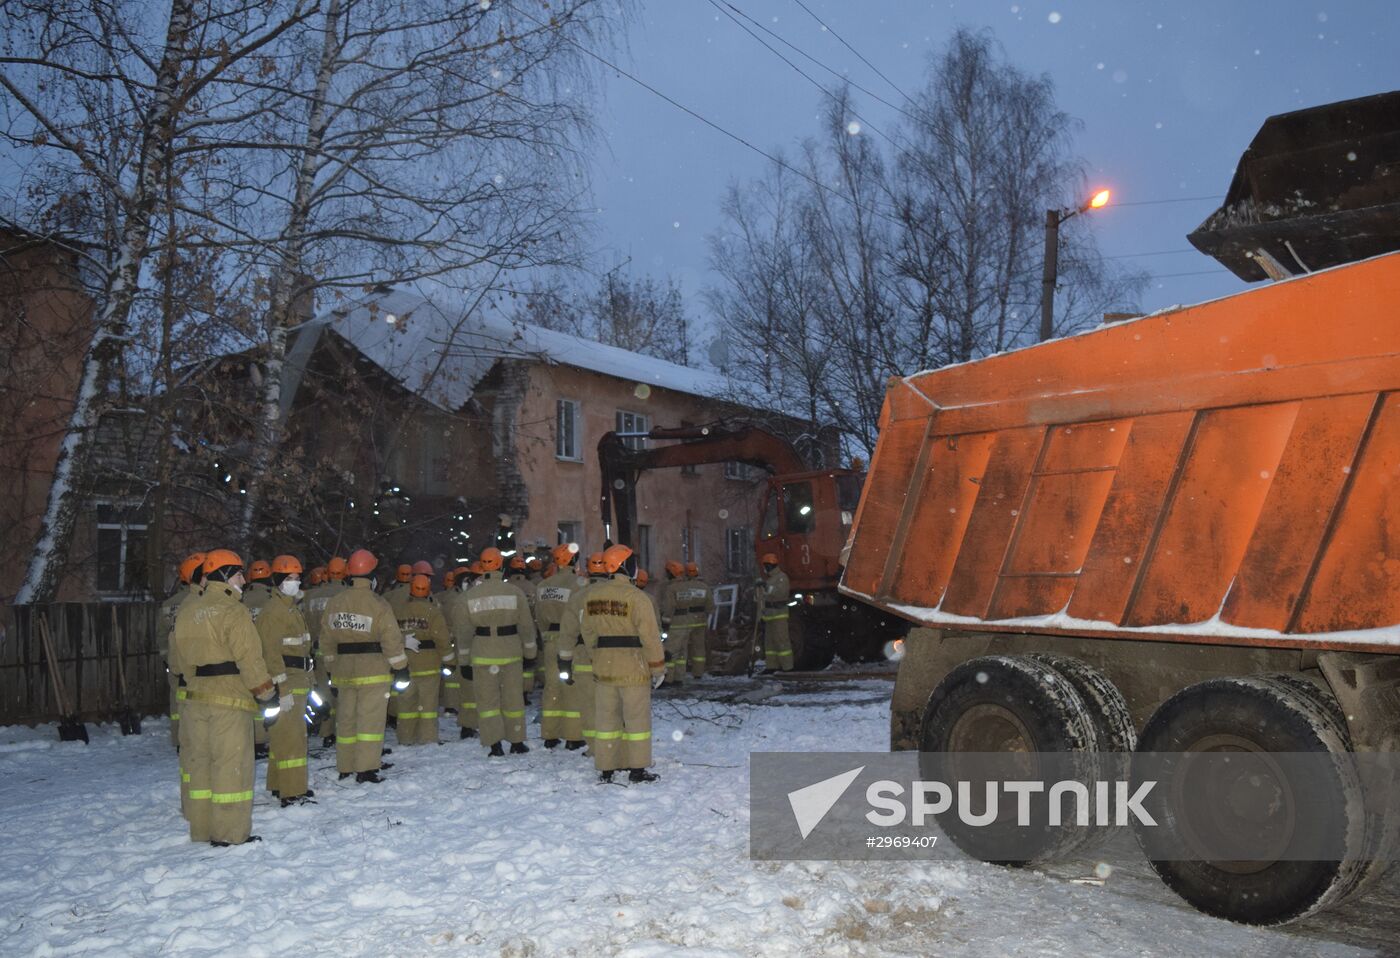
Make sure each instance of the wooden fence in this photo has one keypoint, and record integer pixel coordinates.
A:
(87, 638)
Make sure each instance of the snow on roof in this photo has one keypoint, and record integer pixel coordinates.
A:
(441, 346)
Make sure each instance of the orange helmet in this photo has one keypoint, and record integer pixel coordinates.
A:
(476, 568)
(534, 564)
(259, 570)
(421, 588)
(692, 570)
(564, 553)
(595, 563)
(318, 575)
(403, 573)
(287, 565)
(517, 563)
(642, 578)
(769, 559)
(615, 556)
(491, 559)
(335, 569)
(422, 567)
(362, 562)
(193, 561)
(675, 569)
(217, 559)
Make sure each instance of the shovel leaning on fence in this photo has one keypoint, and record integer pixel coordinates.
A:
(130, 721)
(70, 729)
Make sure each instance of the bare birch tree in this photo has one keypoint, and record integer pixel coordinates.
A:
(59, 56)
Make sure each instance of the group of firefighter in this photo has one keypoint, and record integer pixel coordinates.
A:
(260, 658)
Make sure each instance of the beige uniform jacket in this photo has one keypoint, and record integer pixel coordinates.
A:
(215, 635)
(500, 626)
(523, 583)
(255, 596)
(774, 595)
(552, 599)
(571, 629)
(166, 623)
(454, 609)
(423, 619)
(358, 633)
(619, 629)
(286, 643)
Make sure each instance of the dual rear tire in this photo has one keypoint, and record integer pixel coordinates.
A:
(1032, 705)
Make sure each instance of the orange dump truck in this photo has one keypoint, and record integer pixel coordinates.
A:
(1191, 518)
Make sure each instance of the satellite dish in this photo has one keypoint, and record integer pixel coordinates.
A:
(719, 352)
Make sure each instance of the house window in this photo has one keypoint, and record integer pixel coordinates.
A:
(739, 550)
(742, 471)
(570, 530)
(799, 508)
(632, 422)
(643, 548)
(121, 549)
(690, 545)
(568, 438)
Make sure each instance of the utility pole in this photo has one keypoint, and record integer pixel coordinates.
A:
(1053, 219)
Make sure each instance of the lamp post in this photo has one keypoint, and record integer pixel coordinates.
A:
(1053, 219)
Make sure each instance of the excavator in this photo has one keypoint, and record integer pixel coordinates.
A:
(804, 519)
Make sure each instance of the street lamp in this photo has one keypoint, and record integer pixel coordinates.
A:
(1053, 219)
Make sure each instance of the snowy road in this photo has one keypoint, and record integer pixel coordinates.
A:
(524, 856)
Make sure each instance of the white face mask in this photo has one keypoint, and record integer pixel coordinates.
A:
(291, 587)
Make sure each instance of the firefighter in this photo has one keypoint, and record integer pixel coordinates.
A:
(429, 646)
(772, 597)
(618, 627)
(502, 637)
(673, 639)
(313, 605)
(215, 646)
(551, 601)
(459, 621)
(259, 589)
(399, 587)
(450, 693)
(701, 605)
(191, 575)
(520, 578)
(362, 646)
(286, 647)
(578, 686)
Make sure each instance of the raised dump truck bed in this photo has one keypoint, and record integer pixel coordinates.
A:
(1176, 537)
(1222, 473)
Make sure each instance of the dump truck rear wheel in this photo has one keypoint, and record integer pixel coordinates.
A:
(1006, 704)
(1242, 715)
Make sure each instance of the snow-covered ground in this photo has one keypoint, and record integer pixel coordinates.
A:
(527, 855)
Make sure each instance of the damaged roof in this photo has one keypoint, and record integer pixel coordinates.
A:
(441, 345)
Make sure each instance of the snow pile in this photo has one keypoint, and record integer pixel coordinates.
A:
(527, 856)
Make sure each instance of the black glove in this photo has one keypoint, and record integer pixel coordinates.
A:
(530, 663)
(465, 671)
(401, 679)
(566, 670)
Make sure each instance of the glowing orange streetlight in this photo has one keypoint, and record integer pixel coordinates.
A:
(1053, 219)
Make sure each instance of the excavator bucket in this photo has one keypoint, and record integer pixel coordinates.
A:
(1316, 188)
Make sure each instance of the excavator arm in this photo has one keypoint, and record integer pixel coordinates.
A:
(688, 446)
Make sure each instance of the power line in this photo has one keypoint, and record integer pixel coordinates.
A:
(804, 74)
(1199, 272)
(862, 59)
(829, 69)
(1179, 199)
(1160, 252)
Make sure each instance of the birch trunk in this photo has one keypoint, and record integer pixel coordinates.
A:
(50, 555)
(288, 276)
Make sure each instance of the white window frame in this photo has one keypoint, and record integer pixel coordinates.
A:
(123, 587)
(644, 547)
(563, 536)
(574, 410)
(744, 554)
(628, 421)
